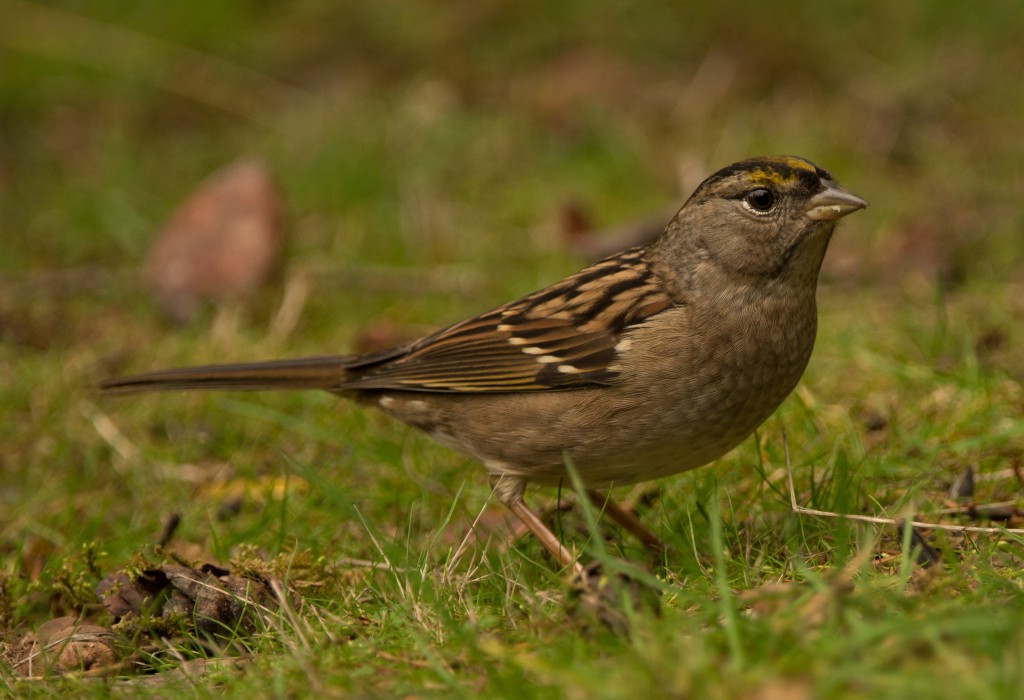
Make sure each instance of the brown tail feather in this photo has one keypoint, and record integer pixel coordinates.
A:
(301, 373)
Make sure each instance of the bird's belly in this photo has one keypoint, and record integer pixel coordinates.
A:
(673, 414)
(609, 436)
(683, 436)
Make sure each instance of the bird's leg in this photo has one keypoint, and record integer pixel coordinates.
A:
(509, 491)
(627, 520)
(544, 534)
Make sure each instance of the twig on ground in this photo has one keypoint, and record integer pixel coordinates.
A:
(802, 510)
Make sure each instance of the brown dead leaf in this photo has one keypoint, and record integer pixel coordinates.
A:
(212, 599)
(65, 644)
(223, 242)
(122, 594)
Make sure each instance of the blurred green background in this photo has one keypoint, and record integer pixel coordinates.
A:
(427, 153)
(496, 112)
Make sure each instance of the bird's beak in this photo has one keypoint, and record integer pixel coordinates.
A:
(833, 203)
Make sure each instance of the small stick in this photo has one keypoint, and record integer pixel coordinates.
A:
(874, 519)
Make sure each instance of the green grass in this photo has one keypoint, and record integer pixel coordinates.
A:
(424, 153)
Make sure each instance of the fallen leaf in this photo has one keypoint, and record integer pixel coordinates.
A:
(222, 243)
(214, 601)
(65, 644)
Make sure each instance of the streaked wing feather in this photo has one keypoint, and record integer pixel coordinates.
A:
(561, 337)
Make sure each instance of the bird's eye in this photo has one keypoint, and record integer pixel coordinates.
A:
(759, 201)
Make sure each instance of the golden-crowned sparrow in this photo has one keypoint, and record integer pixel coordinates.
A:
(650, 362)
